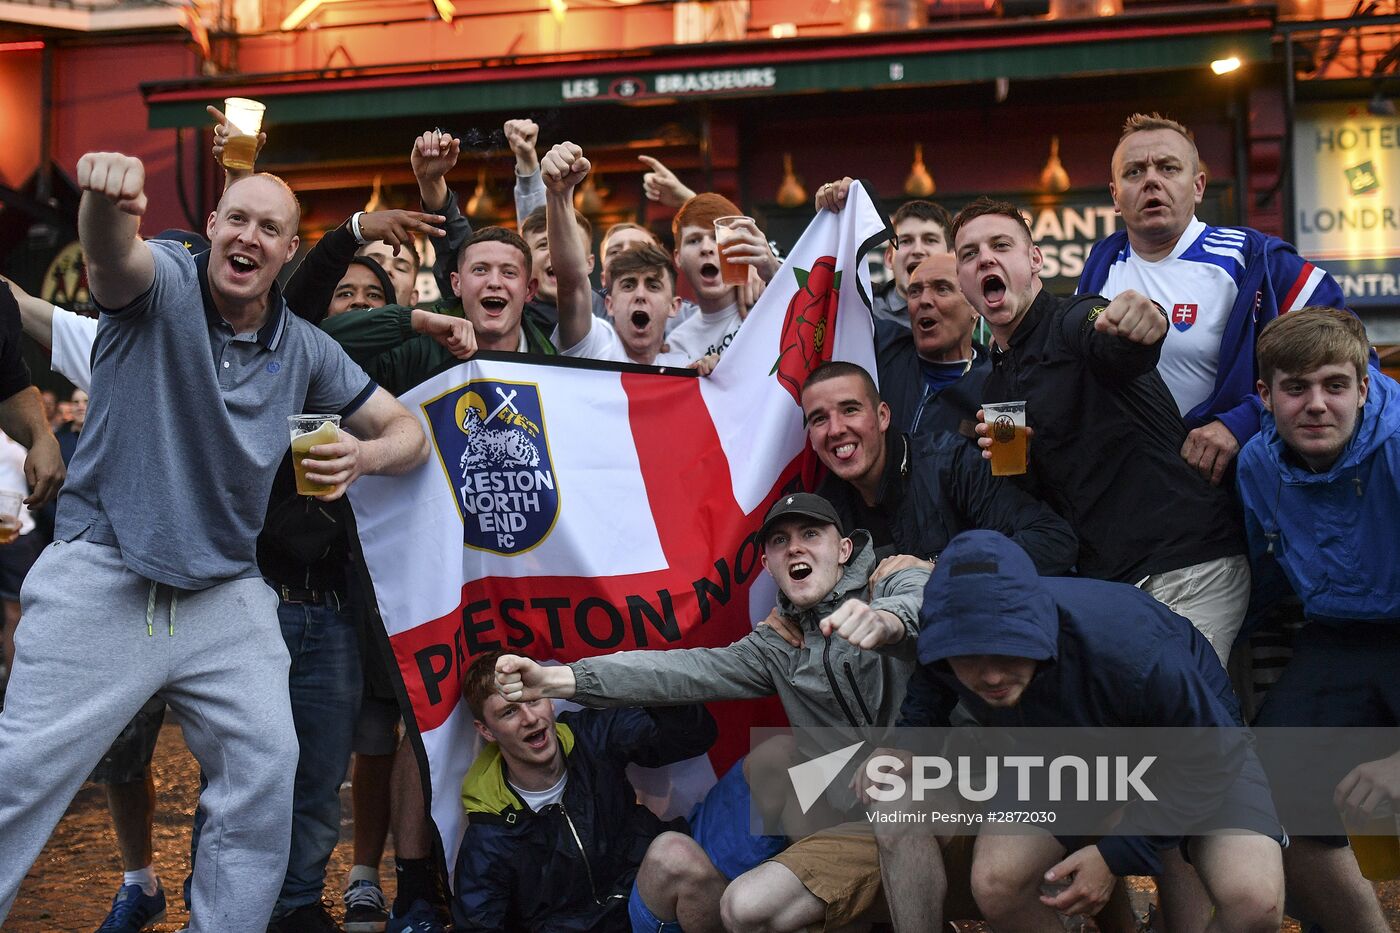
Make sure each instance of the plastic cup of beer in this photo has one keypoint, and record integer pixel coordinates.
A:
(1376, 847)
(307, 432)
(10, 504)
(244, 122)
(727, 231)
(1006, 426)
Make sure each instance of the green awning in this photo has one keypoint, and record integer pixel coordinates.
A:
(754, 69)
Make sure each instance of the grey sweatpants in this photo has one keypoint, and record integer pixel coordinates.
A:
(84, 664)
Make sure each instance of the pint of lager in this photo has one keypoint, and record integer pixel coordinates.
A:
(1376, 847)
(1006, 426)
(244, 123)
(307, 432)
(10, 504)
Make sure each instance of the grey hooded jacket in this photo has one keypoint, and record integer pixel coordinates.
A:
(828, 682)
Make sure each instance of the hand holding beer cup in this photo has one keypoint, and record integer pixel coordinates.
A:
(243, 137)
(221, 137)
(1003, 436)
(325, 460)
(742, 245)
(119, 178)
(1369, 800)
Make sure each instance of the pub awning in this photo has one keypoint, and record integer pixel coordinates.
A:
(1181, 38)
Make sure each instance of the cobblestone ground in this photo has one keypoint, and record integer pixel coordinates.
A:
(71, 885)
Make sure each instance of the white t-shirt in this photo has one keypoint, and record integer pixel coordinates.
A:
(706, 333)
(12, 455)
(602, 343)
(539, 799)
(1197, 284)
(73, 337)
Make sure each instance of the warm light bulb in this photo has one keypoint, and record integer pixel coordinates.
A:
(863, 21)
(783, 30)
(1223, 66)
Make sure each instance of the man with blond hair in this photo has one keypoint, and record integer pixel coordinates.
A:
(1218, 285)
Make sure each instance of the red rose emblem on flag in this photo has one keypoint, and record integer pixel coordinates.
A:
(805, 341)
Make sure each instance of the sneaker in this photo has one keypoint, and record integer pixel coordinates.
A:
(308, 918)
(421, 918)
(366, 910)
(133, 910)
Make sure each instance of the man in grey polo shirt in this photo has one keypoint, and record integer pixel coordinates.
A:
(196, 366)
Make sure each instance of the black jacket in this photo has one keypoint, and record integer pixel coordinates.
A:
(937, 487)
(902, 386)
(1106, 453)
(569, 868)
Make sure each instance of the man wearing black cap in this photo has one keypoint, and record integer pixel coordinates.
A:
(1018, 649)
(835, 679)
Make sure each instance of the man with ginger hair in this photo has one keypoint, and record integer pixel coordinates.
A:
(710, 331)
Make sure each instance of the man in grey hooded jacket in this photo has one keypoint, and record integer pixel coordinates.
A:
(837, 678)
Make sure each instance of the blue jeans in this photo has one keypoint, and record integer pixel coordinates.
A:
(324, 682)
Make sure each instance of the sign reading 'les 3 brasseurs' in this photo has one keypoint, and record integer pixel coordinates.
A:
(671, 84)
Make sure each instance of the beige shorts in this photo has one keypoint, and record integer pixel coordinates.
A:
(841, 867)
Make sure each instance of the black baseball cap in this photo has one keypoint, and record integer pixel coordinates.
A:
(804, 504)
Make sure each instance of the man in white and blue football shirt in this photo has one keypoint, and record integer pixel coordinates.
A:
(1219, 285)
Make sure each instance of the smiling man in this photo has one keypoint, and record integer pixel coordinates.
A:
(163, 534)
(1017, 649)
(850, 672)
(1319, 490)
(915, 494)
(641, 294)
(1220, 285)
(365, 285)
(1105, 452)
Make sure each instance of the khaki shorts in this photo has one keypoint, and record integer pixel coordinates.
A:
(841, 867)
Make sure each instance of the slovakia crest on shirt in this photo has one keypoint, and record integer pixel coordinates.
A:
(490, 440)
(1183, 316)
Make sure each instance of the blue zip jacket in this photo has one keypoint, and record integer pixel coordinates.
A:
(1272, 279)
(1110, 656)
(1329, 537)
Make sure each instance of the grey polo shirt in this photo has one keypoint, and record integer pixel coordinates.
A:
(188, 424)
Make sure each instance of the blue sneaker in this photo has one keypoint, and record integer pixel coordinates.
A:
(421, 918)
(133, 910)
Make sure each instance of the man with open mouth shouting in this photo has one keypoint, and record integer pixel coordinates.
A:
(835, 679)
(710, 331)
(1107, 435)
(931, 370)
(641, 294)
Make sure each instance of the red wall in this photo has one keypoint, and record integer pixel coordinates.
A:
(98, 107)
(19, 116)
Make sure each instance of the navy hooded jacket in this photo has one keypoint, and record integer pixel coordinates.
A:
(1111, 656)
(1329, 537)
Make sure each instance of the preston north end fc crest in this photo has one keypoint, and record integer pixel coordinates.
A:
(491, 442)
